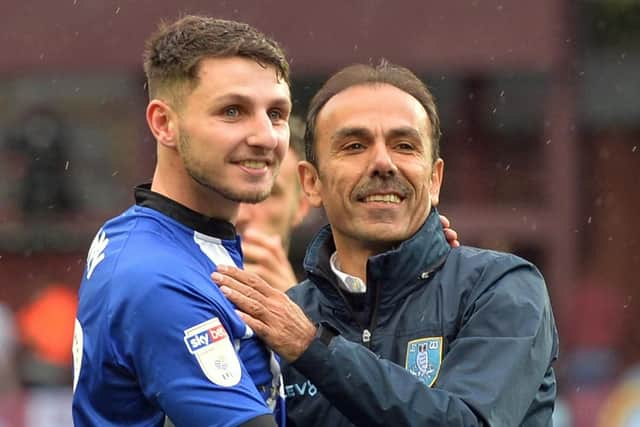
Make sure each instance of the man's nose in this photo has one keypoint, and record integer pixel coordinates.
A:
(381, 162)
(262, 132)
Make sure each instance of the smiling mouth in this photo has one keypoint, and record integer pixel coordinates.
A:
(254, 164)
(383, 198)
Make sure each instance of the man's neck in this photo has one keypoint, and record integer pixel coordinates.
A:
(352, 256)
(181, 188)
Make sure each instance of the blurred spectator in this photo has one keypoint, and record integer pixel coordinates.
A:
(562, 414)
(622, 407)
(41, 137)
(46, 330)
(11, 394)
(593, 335)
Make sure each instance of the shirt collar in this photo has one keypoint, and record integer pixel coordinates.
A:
(196, 221)
(346, 281)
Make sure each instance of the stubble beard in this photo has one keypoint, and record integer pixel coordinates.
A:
(199, 176)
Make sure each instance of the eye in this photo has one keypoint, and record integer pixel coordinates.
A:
(404, 146)
(232, 112)
(354, 146)
(275, 114)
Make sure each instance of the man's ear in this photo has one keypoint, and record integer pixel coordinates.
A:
(162, 121)
(310, 182)
(437, 174)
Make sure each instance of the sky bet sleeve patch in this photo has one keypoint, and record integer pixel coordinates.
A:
(213, 349)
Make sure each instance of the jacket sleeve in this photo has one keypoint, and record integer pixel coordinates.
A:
(490, 374)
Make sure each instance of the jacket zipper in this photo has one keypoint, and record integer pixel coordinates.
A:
(367, 333)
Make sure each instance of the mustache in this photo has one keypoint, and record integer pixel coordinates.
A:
(382, 185)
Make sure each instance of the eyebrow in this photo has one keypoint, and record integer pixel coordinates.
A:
(237, 98)
(364, 133)
(403, 132)
(351, 132)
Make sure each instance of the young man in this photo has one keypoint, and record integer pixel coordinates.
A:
(153, 337)
(404, 330)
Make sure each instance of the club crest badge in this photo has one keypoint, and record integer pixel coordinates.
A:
(210, 344)
(423, 359)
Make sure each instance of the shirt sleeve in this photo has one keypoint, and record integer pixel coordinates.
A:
(489, 376)
(180, 343)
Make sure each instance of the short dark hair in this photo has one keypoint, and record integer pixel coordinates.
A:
(364, 74)
(173, 53)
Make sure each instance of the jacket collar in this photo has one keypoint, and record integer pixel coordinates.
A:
(196, 221)
(393, 272)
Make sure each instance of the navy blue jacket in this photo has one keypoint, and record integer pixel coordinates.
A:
(442, 337)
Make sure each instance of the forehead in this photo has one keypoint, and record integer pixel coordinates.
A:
(378, 107)
(219, 77)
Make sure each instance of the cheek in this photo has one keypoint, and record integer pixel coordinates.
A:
(283, 143)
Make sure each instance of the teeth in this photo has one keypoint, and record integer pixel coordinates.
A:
(253, 164)
(386, 198)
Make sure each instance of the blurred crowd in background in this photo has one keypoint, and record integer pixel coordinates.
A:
(540, 107)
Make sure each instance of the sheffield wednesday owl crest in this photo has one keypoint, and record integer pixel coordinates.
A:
(423, 359)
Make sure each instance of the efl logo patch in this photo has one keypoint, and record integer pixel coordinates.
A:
(423, 359)
(210, 344)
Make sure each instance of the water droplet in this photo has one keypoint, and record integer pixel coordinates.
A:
(610, 238)
(507, 167)
(589, 220)
(634, 149)
(548, 141)
(117, 10)
(66, 165)
(114, 173)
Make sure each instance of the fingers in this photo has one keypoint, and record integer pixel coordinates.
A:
(279, 277)
(247, 283)
(263, 246)
(246, 298)
(445, 222)
(265, 256)
(452, 237)
(270, 313)
(450, 234)
(257, 254)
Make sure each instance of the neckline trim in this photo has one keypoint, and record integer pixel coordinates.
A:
(214, 227)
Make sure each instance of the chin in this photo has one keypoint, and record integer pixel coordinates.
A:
(252, 195)
(382, 235)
